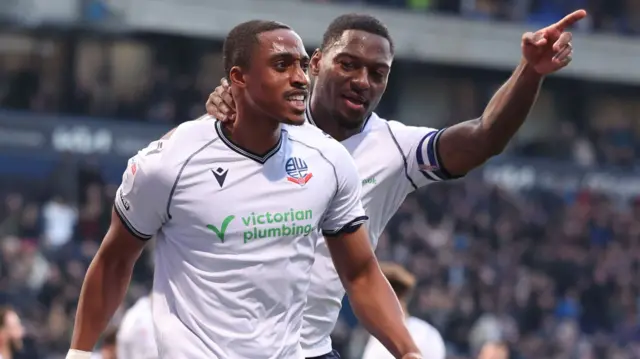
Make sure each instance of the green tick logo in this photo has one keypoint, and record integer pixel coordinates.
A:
(223, 228)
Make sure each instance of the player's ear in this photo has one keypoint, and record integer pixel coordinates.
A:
(236, 76)
(314, 67)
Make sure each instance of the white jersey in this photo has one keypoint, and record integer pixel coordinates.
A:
(426, 337)
(393, 160)
(136, 337)
(236, 235)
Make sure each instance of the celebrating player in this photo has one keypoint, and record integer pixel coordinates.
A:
(136, 338)
(235, 211)
(426, 336)
(351, 69)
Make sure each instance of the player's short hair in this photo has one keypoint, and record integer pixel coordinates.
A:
(362, 22)
(400, 279)
(110, 336)
(240, 41)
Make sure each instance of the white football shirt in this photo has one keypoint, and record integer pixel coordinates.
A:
(393, 160)
(236, 235)
(426, 337)
(136, 337)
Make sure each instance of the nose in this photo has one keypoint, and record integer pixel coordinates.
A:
(299, 77)
(360, 80)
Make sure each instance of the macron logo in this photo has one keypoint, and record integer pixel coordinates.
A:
(220, 174)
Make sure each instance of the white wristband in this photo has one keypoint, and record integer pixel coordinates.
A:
(78, 354)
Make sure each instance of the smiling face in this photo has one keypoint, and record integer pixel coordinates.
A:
(276, 82)
(351, 76)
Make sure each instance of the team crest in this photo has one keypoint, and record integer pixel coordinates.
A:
(297, 171)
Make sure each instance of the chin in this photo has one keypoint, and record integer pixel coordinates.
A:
(295, 120)
(351, 124)
(349, 121)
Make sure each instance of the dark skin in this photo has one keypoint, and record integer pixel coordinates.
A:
(357, 64)
(278, 71)
(105, 284)
(256, 89)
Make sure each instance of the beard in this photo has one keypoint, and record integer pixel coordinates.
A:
(350, 124)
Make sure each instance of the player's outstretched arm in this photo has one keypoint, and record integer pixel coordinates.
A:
(371, 297)
(469, 144)
(105, 284)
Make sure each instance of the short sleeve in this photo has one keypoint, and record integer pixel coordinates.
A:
(141, 199)
(345, 213)
(419, 146)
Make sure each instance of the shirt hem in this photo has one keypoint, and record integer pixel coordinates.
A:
(317, 351)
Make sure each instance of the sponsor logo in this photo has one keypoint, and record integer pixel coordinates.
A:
(370, 180)
(266, 225)
(220, 232)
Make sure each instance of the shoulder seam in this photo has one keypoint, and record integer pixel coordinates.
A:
(184, 165)
(335, 172)
(404, 157)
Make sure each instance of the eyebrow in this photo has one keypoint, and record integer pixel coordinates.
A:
(290, 55)
(363, 59)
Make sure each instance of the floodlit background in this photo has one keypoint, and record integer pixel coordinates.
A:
(539, 248)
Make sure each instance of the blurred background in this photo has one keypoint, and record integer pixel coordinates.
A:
(540, 248)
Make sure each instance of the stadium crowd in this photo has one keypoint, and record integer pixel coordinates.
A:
(620, 16)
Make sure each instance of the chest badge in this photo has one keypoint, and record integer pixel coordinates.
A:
(297, 171)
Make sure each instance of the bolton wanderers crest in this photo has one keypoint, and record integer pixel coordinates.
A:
(297, 171)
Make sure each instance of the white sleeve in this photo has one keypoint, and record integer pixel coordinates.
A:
(345, 213)
(419, 146)
(141, 200)
(375, 350)
(124, 345)
(432, 346)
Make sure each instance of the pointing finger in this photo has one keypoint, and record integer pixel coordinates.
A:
(224, 83)
(570, 19)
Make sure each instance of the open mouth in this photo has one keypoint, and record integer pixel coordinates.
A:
(297, 100)
(355, 102)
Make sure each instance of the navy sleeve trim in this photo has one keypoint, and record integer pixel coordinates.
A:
(350, 227)
(129, 226)
(434, 169)
(427, 170)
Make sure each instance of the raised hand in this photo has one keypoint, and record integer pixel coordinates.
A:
(220, 103)
(549, 49)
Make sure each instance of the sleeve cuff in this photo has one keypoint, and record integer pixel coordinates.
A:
(134, 232)
(431, 165)
(350, 227)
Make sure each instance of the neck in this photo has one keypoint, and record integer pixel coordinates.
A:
(253, 131)
(325, 121)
